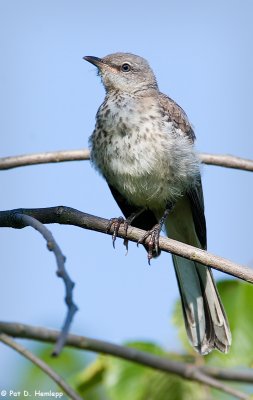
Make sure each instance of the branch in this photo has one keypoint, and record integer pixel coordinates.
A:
(70, 216)
(43, 158)
(244, 376)
(186, 371)
(41, 364)
(27, 220)
(226, 161)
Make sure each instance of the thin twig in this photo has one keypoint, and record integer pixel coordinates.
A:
(41, 364)
(221, 160)
(227, 161)
(27, 220)
(70, 216)
(43, 158)
(187, 371)
(205, 379)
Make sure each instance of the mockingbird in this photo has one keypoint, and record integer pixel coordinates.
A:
(143, 146)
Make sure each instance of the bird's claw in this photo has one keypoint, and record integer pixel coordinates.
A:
(116, 223)
(153, 242)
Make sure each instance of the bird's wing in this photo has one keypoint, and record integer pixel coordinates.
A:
(196, 198)
(195, 195)
(177, 115)
(204, 315)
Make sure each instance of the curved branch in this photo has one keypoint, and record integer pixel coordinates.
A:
(41, 364)
(226, 161)
(43, 158)
(70, 216)
(186, 371)
(27, 220)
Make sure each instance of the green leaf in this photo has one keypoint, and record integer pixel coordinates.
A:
(90, 376)
(126, 380)
(66, 364)
(115, 379)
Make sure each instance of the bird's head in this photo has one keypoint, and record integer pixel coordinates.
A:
(125, 72)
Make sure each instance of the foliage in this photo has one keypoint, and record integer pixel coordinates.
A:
(109, 378)
(68, 364)
(126, 380)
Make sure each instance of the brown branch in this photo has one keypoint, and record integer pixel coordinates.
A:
(186, 371)
(43, 158)
(244, 376)
(227, 161)
(70, 216)
(41, 364)
(27, 220)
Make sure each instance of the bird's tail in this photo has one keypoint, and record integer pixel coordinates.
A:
(205, 318)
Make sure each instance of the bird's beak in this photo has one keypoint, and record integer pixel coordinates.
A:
(98, 62)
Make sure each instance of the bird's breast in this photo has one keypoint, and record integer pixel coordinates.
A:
(139, 154)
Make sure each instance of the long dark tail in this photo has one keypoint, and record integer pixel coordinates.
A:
(205, 318)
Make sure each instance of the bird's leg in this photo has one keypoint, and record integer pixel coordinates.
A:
(117, 222)
(154, 234)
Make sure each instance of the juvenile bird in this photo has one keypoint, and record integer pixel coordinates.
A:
(143, 145)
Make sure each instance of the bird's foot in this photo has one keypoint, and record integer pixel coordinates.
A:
(152, 242)
(116, 224)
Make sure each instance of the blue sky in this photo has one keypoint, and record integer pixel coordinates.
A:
(201, 53)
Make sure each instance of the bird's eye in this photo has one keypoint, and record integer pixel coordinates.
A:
(125, 67)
